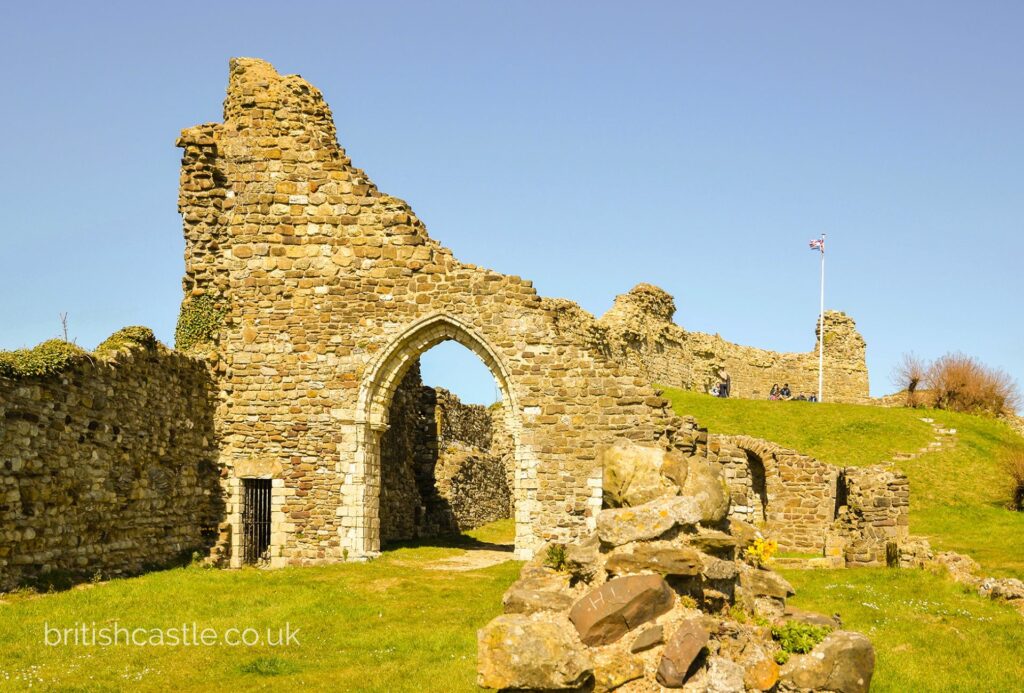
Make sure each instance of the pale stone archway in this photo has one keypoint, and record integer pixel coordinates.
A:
(374, 403)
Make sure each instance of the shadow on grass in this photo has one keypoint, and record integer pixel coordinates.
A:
(448, 541)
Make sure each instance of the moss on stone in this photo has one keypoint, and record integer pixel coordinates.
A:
(199, 320)
(52, 356)
(127, 338)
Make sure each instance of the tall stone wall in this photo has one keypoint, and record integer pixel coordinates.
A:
(320, 291)
(107, 465)
(640, 332)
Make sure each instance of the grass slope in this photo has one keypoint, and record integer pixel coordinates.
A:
(930, 634)
(958, 496)
(388, 625)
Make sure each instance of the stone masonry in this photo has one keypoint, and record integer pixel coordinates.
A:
(325, 291)
(855, 515)
(438, 473)
(640, 332)
(107, 467)
(309, 296)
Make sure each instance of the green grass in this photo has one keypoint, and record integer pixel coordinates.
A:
(958, 495)
(388, 625)
(929, 633)
(841, 434)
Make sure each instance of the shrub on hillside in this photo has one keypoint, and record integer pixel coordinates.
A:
(961, 383)
(1014, 465)
(908, 374)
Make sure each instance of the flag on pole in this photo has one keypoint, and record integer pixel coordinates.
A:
(818, 244)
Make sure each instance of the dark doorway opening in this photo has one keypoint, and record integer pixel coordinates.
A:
(255, 520)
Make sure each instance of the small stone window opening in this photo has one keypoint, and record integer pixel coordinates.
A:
(255, 520)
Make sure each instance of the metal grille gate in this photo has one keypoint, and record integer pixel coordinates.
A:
(255, 520)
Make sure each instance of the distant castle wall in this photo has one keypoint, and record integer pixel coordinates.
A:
(639, 332)
(108, 462)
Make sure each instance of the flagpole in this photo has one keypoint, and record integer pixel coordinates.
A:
(821, 324)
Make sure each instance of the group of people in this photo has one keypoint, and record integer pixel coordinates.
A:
(724, 385)
(785, 393)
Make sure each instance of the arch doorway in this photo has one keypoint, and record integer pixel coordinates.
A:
(379, 513)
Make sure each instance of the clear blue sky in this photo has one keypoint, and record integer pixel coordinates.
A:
(587, 146)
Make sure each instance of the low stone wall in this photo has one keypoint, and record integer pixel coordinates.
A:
(857, 514)
(107, 464)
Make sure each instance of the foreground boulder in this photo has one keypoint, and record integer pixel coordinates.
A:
(545, 593)
(636, 474)
(514, 651)
(843, 663)
(620, 526)
(607, 613)
(706, 485)
(657, 557)
(680, 652)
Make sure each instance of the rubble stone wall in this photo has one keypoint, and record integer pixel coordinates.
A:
(808, 506)
(107, 466)
(640, 332)
(320, 292)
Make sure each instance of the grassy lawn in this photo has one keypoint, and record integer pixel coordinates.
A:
(957, 495)
(389, 625)
(395, 624)
(929, 633)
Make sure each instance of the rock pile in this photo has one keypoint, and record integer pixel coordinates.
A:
(658, 597)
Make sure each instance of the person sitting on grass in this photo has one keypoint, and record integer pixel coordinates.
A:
(714, 390)
(774, 394)
(785, 393)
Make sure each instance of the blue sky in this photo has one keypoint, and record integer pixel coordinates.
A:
(587, 146)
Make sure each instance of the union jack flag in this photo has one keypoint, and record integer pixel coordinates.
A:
(818, 244)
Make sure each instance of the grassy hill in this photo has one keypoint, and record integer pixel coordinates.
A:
(957, 495)
(930, 634)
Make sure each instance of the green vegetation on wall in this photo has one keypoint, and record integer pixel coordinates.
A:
(128, 337)
(198, 322)
(52, 356)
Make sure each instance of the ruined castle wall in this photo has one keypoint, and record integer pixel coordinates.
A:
(640, 332)
(107, 466)
(808, 506)
(326, 290)
(873, 514)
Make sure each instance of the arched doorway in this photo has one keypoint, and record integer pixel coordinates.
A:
(377, 392)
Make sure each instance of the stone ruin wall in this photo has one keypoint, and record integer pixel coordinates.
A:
(310, 296)
(325, 291)
(438, 472)
(640, 332)
(107, 467)
(856, 514)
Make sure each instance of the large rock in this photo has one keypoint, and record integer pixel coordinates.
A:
(636, 474)
(607, 613)
(514, 651)
(620, 526)
(545, 593)
(614, 667)
(583, 560)
(843, 662)
(744, 533)
(705, 483)
(658, 557)
(723, 676)
(713, 541)
(689, 638)
(760, 672)
(765, 583)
